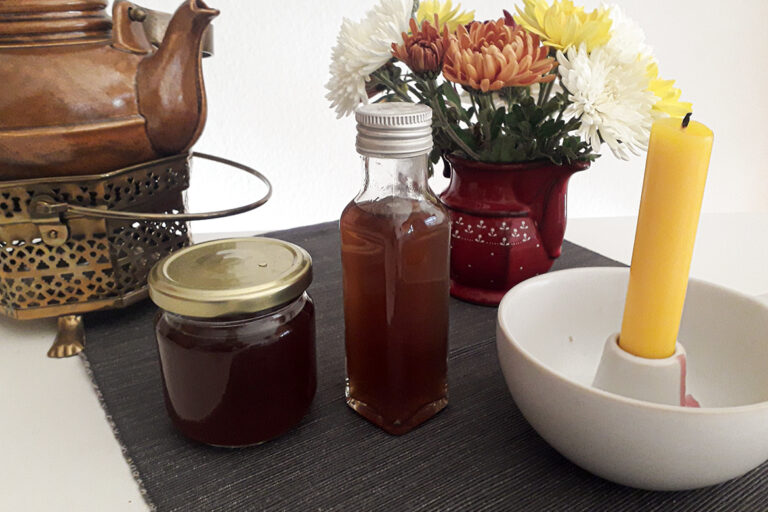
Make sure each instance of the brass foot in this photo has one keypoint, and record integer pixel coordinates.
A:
(70, 339)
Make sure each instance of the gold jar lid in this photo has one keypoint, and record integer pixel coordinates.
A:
(230, 277)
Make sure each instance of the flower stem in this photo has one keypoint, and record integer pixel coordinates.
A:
(443, 122)
(474, 104)
(544, 91)
(378, 75)
(485, 100)
(565, 103)
(415, 92)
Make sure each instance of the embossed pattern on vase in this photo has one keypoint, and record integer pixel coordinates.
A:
(487, 250)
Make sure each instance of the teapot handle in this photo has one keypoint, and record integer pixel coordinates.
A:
(141, 30)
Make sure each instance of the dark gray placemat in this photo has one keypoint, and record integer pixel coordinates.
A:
(478, 454)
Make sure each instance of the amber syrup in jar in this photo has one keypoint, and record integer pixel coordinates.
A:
(237, 381)
(395, 240)
(236, 339)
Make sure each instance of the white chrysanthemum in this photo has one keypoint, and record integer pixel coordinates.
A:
(627, 41)
(609, 97)
(361, 49)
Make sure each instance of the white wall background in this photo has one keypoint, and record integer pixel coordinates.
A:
(267, 107)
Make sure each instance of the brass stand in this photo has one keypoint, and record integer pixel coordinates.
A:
(69, 246)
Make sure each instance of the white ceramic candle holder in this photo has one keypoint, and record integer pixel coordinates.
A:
(551, 337)
(662, 381)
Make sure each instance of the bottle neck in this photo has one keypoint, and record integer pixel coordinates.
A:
(395, 177)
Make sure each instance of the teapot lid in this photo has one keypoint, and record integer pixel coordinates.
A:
(24, 22)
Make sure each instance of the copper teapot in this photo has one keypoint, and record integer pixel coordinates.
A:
(81, 93)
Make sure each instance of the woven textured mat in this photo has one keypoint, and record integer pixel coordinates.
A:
(478, 454)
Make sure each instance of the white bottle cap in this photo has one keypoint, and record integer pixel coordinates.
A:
(394, 130)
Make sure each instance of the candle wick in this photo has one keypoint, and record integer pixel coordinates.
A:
(687, 119)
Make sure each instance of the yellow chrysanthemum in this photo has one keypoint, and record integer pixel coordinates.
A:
(445, 13)
(562, 25)
(669, 96)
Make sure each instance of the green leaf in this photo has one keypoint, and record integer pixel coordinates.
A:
(548, 129)
(525, 129)
(537, 116)
(452, 101)
(464, 136)
(435, 154)
(450, 94)
(496, 122)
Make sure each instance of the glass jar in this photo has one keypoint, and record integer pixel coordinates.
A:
(236, 339)
(395, 238)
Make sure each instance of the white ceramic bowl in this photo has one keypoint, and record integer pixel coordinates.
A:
(550, 336)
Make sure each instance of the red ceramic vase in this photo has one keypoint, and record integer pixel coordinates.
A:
(508, 223)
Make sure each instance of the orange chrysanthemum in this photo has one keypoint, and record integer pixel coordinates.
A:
(423, 49)
(493, 55)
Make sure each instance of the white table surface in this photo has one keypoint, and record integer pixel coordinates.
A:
(58, 451)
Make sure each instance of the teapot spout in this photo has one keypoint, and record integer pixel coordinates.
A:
(170, 86)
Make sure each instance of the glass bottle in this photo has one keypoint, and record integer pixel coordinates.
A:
(395, 238)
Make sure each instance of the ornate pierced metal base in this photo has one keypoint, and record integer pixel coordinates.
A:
(53, 265)
(70, 340)
(72, 245)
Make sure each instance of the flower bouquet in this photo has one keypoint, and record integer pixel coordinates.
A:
(519, 103)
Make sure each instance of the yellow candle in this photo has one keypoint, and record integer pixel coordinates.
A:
(675, 174)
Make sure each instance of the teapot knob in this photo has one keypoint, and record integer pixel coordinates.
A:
(128, 28)
(137, 14)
